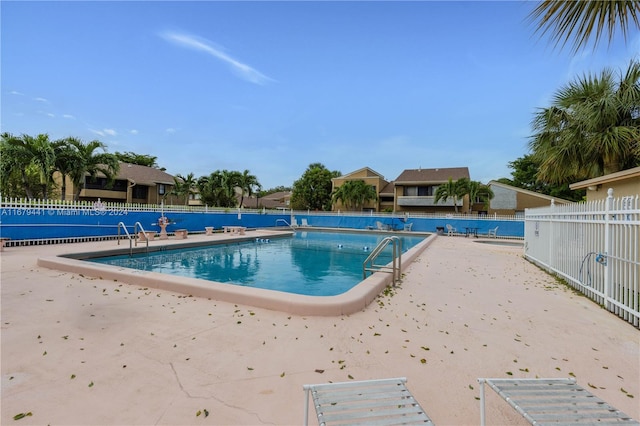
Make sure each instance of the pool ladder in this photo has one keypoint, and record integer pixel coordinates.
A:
(130, 238)
(369, 264)
(286, 223)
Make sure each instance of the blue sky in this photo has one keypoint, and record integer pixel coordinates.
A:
(275, 86)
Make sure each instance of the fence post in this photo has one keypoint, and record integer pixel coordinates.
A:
(607, 247)
(552, 246)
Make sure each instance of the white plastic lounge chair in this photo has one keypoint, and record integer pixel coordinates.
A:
(553, 401)
(381, 226)
(408, 226)
(304, 223)
(451, 230)
(493, 232)
(294, 222)
(368, 402)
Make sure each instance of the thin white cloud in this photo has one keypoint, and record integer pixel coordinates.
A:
(110, 132)
(69, 116)
(15, 92)
(41, 100)
(170, 130)
(50, 114)
(243, 70)
(97, 132)
(133, 131)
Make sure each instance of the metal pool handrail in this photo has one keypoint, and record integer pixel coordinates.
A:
(128, 236)
(396, 268)
(135, 232)
(286, 223)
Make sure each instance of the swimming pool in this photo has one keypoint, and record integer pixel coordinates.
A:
(352, 301)
(308, 263)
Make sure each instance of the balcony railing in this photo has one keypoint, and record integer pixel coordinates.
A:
(425, 201)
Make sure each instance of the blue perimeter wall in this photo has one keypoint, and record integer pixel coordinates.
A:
(44, 223)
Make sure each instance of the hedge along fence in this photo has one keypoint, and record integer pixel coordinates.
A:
(54, 222)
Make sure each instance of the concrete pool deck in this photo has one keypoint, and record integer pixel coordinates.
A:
(77, 350)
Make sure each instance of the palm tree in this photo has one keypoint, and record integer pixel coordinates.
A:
(354, 194)
(592, 128)
(23, 153)
(477, 190)
(567, 19)
(91, 163)
(184, 186)
(248, 184)
(219, 188)
(66, 159)
(452, 189)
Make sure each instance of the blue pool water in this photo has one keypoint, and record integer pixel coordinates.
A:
(310, 263)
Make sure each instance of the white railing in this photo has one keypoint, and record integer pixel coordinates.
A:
(594, 246)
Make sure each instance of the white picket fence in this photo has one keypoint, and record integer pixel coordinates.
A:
(594, 246)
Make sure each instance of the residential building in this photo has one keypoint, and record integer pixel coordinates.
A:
(511, 200)
(370, 177)
(132, 184)
(415, 189)
(625, 183)
(278, 200)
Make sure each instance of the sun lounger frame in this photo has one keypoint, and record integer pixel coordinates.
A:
(557, 401)
(368, 402)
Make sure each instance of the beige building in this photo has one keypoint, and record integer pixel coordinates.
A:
(415, 189)
(511, 200)
(370, 177)
(132, 184)
(624, 183)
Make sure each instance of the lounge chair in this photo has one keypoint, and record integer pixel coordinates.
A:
(493, 232)
(381, 226)
(304, 223)
(408, 226)
(553, 401)
(294, 222)
(451, 230)
(383, 401)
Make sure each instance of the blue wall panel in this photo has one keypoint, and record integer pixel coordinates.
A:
(27, 224)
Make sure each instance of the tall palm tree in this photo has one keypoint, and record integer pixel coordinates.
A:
(184, 186)
(219, 188)
(248, 184)
(579, 20)
(91, 163)
(23, 153)
(354, 194)
(477, 190)
(592, 128)
(66, 159)
(455, 189)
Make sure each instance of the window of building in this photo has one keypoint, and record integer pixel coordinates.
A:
(419, 191)
(103, 183)
(140, 192)
(161, 189)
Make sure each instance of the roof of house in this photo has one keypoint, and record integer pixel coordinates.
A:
(369, 173)
(388, 189)
(526, 191)
(143, 175)
(613, 177)
(440, 175)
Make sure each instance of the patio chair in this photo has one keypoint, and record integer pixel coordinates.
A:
(451, 230)
(493, 232)
(304, 223)
(381, 226)
(408, 226)
(294, 222)
(383, 401)
(553, 401)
